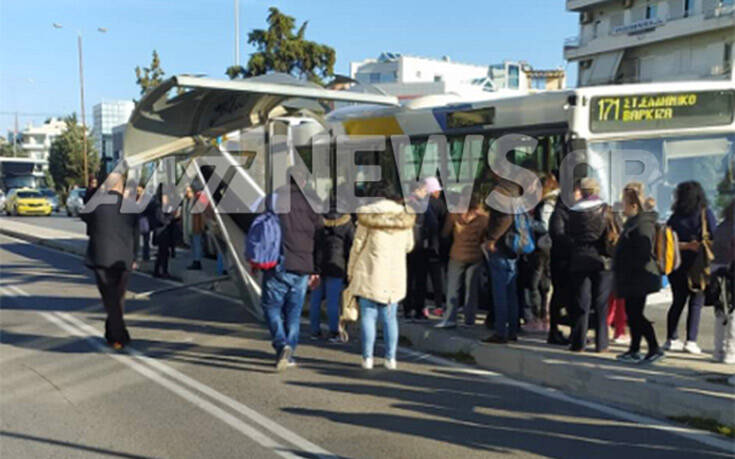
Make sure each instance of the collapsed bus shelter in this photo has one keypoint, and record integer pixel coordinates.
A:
(181, 120)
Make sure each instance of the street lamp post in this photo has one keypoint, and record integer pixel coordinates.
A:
(81, 96)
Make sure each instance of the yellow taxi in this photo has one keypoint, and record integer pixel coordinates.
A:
(26, 201)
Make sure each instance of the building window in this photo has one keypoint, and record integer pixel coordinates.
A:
(438, 78)
(375, 78)
(539, 83)
(513, 72)
(687, 7)
(727, 58)
(651, 12)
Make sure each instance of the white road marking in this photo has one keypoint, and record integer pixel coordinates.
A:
(76, 327)
(133, 361)
(246, 411)
(700, 436)
(197, 401)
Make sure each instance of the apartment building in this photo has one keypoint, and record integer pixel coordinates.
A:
(631, 41)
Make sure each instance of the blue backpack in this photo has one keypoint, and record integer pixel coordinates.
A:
(263, 241)
(519, 238)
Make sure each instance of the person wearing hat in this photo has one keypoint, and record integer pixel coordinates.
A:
(424, 260)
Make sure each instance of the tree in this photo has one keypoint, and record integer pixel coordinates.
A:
(66, 157)
(279, 49)
(149, 77)
(6, 149)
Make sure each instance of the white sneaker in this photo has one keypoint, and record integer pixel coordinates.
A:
(367, 364)
(692, 347)
(446, 324)
(391, 364)
(622, 340)
(673, 345)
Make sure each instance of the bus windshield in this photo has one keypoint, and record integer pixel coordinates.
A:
(20, 181)
(662, 163)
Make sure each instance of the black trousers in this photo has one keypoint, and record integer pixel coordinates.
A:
(592, 290)
(112, 284)
(421, 264)
(561, 298)
(640, 327)
(682, 295)
(164, 250)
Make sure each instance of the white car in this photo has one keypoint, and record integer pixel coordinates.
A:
(75, 202)
(2, 200)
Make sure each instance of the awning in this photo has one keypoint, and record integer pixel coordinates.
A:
(183, 108)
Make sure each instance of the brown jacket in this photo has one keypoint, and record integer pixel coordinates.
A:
(467, 237)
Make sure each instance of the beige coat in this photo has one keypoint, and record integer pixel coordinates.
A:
(377, 263)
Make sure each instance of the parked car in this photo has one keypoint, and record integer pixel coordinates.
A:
(75, 202)
(27, 201)
(2, 200)
(52, 197)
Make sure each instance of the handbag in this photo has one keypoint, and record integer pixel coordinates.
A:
(350, 313)
(699, 273)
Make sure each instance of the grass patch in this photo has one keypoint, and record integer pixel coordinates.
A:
(461, 357)
(404, 341)
(710, 425)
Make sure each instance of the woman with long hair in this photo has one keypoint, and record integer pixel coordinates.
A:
(690, 205)
(636, 273)
(376, 270)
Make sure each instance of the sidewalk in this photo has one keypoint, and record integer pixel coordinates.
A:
(680, 385)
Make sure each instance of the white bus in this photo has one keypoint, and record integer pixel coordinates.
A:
(661, 134)
(22, 173)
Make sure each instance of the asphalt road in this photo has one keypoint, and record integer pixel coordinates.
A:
(655, 311)
(198, 381)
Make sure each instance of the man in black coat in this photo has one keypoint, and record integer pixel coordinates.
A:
(111, 254)
(284, 287)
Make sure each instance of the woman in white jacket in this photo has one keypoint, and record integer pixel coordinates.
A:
(377, 270)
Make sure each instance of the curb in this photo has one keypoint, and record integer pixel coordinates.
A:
(225, 288)
(592, 378)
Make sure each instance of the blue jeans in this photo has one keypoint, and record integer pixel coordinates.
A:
(282, 300)
(503, 275)
(220, 264)
(370, 311)
(196, 247)
(332, 288)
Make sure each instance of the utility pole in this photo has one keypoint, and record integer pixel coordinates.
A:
(56, 25)
(237, 32)
(15, 136)
(84, 124)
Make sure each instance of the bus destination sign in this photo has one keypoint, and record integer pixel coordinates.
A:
(644, 112)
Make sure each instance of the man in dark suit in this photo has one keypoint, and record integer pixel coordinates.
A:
(111, 254)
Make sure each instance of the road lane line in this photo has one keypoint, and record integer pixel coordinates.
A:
(700, 436)
(177, 389)
(235, 405)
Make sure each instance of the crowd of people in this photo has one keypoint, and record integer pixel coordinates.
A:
(589, 265)
(571, 261)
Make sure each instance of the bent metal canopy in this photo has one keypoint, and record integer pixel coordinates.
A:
(183, 108)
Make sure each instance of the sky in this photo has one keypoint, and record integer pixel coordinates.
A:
(39, 67)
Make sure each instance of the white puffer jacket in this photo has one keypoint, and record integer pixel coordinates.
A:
(377, 263)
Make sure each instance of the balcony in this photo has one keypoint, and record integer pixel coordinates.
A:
(648, 31)
(576, 5)
(572, 42)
